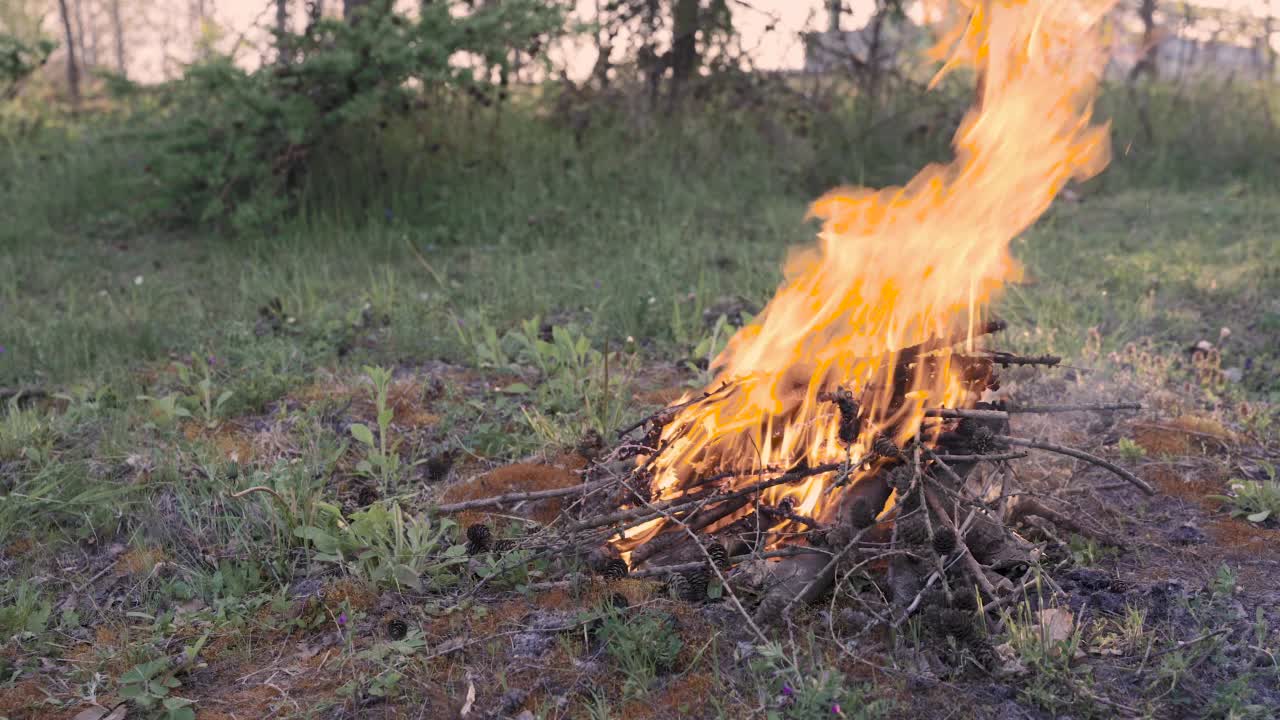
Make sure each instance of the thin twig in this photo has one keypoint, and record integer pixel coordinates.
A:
(961, 413)
(644, 514)
(1080, 455)
(509, 498)
(1073, 408)
(979, 458)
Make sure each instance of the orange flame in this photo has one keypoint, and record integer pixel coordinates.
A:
(901, 266)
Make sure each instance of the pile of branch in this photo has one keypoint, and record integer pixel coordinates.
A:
(945, 544)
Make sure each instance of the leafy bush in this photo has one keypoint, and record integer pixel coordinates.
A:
(18, 59)
(237, 145)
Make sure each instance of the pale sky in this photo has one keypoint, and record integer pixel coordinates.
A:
(159, 29)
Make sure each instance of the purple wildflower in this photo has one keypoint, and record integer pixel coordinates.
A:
(1, 349)
(212, 360)
(342, 619)
(835, 709)
(787, 691)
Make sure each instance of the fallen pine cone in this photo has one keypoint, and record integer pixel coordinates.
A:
(944, 541)
(479, 538)
(615, 569)
(719, 555)
(913, 529)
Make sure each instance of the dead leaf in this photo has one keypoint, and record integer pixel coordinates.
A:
(1056, 624)
(1010, 664)
(471, 699)
(97, 712)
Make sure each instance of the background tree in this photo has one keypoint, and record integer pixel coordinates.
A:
(117, 35)
(73, 68)
(1147, 53)
(282, 31)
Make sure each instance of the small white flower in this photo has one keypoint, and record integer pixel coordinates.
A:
(137, 280)
(630, 339)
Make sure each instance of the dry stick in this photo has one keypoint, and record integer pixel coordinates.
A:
(659, 570)
(697, 521)
(581, 489)
(1080, 455)
(1073, 408)
(1028, 409)
(644, 514)
(792, 516)
(829, 567)
(671, 410)
(970, 561)
(972, 414)
(724, 582)
(979, 458)
(1006, 359)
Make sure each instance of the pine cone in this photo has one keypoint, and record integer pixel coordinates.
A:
(900, 478)
(397, 629)
(479, 538)
(944, 541)
(696, 590)
(678, 586)
(615, 569)
(983, 440)
(912, 529)
(885, 447)
(984, 653)
(504, 546)
(861, 514)
(958, 624)
(850, 422)
(719, 555)
(965, 599)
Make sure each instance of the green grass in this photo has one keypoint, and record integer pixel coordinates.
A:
(150, 340)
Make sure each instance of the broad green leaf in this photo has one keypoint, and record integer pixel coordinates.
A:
(323, 541)
(1259, 516)
(362, 433)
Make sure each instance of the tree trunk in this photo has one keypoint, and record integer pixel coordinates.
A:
(1268, 31)
(117, 31)
(1147, 58)
(73, 70)
(351, 7)
(81, 35)
(283, 54)
(684, 42)
(835, 9)
(195, 17)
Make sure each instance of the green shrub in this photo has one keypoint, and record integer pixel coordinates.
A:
(237, 145)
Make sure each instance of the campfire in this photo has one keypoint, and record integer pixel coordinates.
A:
(844, 425)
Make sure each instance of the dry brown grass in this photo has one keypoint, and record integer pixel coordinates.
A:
(519, 477)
